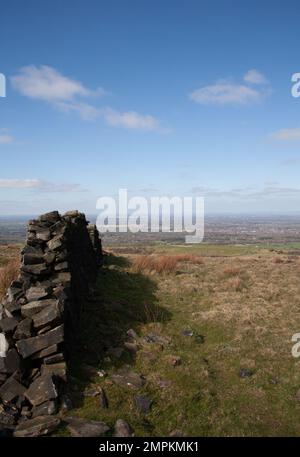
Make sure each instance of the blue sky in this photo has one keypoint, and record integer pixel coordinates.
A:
(160, 97)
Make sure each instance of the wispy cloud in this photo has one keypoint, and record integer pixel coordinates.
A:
(286, 134)
(46, 83)
(133, 120)
(40, 185)
(249, 193)
(226, 92)
(66, 94)
(290, 161)
(255, 77)
(5, 137)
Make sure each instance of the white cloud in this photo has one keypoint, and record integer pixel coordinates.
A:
(6, 139)
(132, 120)
(223, 93)
(286, 134)
(226, 92)
(46, 83)
(65, 94)
(255, 77)
(38, 184)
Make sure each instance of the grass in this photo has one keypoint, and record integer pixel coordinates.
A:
(8, 273)
(240, 310)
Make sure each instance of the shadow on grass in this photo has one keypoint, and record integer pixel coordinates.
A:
(122, 300)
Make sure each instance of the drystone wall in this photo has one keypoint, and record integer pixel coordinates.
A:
(40, 315)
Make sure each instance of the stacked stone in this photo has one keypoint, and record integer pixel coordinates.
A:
(40, 314)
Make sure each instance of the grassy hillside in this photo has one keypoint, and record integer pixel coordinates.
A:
(220, 362)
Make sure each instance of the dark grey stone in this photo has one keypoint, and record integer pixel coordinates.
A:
(30, 346)
(45, 409)
(8, 324)
(128, 379)
(50, 315)
(38, 292)
(39, 426)
(83, 428)
(123, 429)
(143, 404)
(41, 390)
(11, 389)
(23, 329)
(34, 307)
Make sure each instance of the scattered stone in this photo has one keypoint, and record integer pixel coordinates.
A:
(176, 433)
(94, 392)
(246, 373)
(131, 347)
(103, 399)
(41, 390)
(132, 334)
(65, 403)
(143, 404)
(188, 333)
(128, 379)
(164, 383)
(155, 338)
(83, 428)
(123, 429)
(31, 345)
(38, 426)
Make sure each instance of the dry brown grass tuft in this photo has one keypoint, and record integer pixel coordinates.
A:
(192, 258)
(231, 271)
(7, 274)
(158, 264)
(235, 284)
(277, 259)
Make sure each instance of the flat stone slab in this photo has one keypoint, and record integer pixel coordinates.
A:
(23, 329)
(83, 428)
(32, 345)
(39, 426)
(8, 324)
(41, 390)
(36, 306)
(11, 389)
(128, 379)
(49, 315)
(37, 293)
